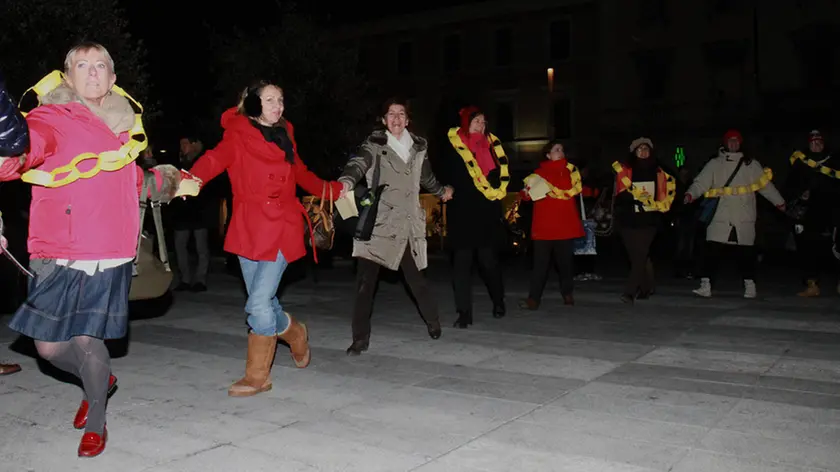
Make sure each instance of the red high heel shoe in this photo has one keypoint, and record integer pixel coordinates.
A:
(93, 444)
(80, 421)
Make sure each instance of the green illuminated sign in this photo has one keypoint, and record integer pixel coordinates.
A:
(679, 156)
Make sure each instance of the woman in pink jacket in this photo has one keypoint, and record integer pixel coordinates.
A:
(83, 235)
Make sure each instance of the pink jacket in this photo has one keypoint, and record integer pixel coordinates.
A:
(89, 219)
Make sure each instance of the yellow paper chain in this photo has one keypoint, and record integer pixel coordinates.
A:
(765, 179)
(560, 194)
(108, 161)
(649, 201)
(797, 155)
(479, 180)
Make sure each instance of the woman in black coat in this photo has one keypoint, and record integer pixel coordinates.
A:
(478, 171)
(14, 139)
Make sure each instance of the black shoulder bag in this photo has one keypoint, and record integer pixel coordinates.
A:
(368, 205)
(708, 207)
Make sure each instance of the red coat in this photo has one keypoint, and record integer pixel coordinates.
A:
(267, 215)
(556, 219)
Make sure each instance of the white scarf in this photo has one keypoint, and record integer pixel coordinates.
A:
(401, 146)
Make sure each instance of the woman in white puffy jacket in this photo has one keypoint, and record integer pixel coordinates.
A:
(734, 219)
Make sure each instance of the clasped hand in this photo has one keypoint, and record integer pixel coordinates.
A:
(448, 192)
(189, 185)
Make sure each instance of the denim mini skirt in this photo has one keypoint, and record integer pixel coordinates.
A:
(65, 302)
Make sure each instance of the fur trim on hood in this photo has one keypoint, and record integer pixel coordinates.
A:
(115, 111)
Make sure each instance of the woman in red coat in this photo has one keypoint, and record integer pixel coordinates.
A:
(555, 225)
(266, 231)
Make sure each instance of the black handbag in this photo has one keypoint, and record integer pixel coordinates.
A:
(708, 207)
(367, 203)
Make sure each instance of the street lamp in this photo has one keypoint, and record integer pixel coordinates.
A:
(550, 75)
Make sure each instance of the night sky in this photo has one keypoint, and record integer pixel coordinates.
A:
(170, 34)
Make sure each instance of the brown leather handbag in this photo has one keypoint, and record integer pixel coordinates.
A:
(321, 219)
(152, 275)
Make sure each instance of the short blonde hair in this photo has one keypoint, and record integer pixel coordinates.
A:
(85, 47)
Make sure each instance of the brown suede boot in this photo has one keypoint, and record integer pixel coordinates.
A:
(297, 337)
(258, 367)
(812, 290)
(529, 304)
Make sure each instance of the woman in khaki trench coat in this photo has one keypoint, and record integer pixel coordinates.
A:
(399, 234)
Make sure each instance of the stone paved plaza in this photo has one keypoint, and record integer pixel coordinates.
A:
(672, 384)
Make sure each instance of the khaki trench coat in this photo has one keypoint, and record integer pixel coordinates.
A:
(400, 220)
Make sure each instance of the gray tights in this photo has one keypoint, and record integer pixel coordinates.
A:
(88, 359)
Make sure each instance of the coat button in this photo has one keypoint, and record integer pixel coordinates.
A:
(270, 176)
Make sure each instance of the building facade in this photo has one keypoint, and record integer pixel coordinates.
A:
(683, 72)
(602, 72)
(530, 65)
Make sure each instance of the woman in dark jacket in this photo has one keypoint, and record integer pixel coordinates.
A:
(478, 171)
(814, 188)
(14, 139)
(643, 192)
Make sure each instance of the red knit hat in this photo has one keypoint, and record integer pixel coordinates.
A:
(733, 133)
(467, 115)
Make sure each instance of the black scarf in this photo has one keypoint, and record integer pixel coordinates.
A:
(280, 137)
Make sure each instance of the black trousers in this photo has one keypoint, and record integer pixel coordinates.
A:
(815, 257)
(584, 264)
(491, 271)
(561, 253)
(637, 241)
(745, 257)
(367, 276)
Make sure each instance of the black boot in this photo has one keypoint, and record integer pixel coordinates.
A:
(499, 310)
(358, 347)
(434, 331)
(464, 319)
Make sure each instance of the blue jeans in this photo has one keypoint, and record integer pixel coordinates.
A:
(262, 278)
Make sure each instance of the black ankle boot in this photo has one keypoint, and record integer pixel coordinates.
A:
(434, 331)
(499, 310)
(464, 319)
(358, 347)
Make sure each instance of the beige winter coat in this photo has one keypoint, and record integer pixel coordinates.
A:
(736, 211)
(400, 220)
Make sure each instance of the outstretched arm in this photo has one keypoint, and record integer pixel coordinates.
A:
(215, 161)
(702, 183)
(356, 168)
(313, 184)
(42, 145)
(430, 182)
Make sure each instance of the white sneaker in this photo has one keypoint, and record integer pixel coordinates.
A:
(705, 289)
(749, 289)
